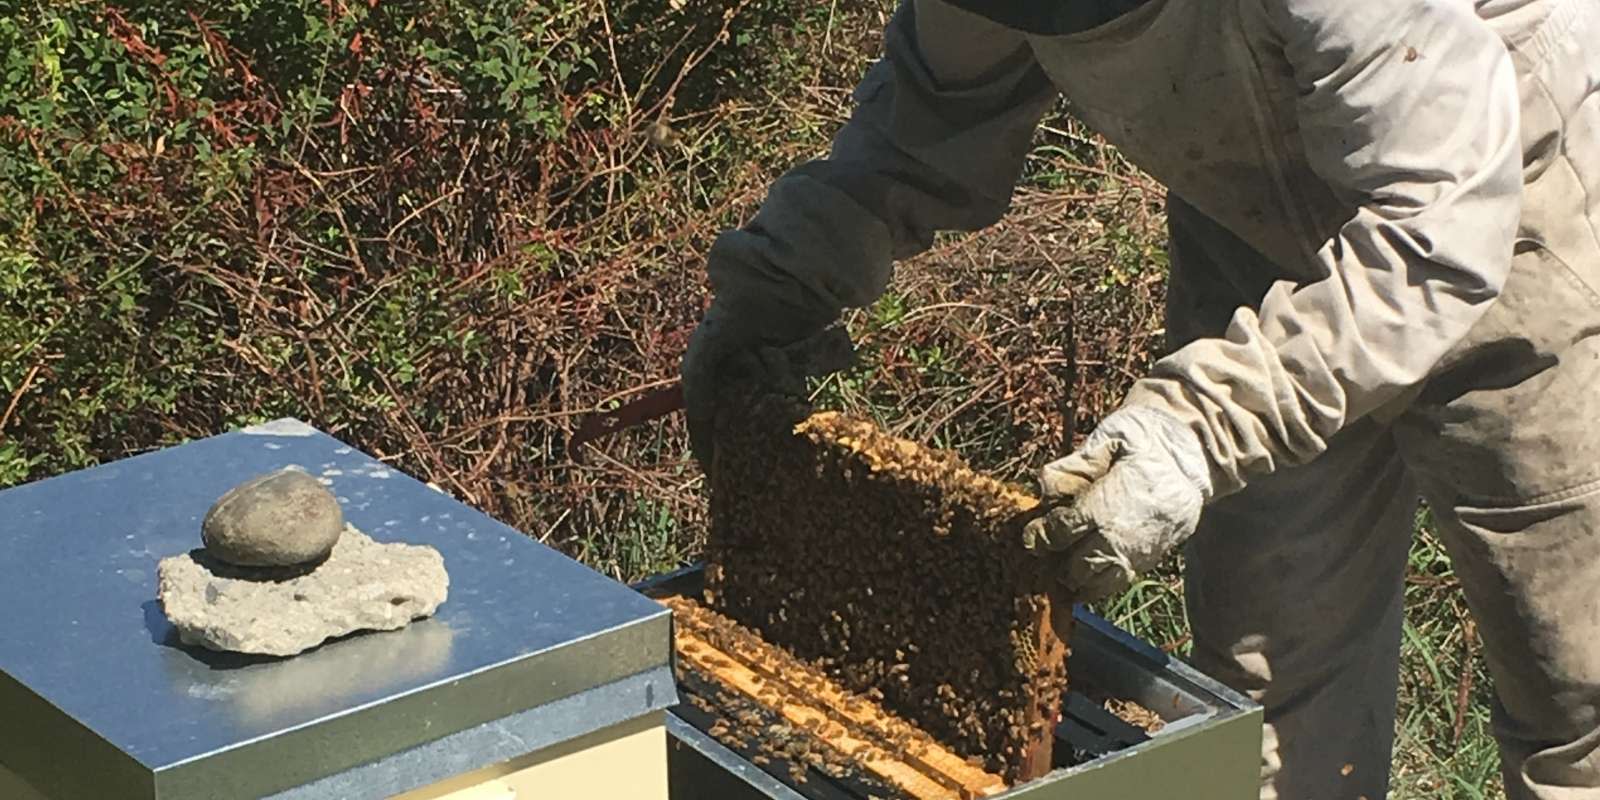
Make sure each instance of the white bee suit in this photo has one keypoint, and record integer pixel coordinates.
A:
(1385, 282)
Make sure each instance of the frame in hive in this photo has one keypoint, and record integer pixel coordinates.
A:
(897, 570)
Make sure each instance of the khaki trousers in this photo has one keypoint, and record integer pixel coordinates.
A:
(1294, 585)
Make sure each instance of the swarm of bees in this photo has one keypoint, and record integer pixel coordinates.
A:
(895, 569)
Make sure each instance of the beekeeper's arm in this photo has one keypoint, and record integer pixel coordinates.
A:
(937, 140)
(1410, 112)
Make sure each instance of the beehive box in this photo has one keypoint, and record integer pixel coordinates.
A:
(791, 718)
(1204, 743)
(536, 672)
(898, 571)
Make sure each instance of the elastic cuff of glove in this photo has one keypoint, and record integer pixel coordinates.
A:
(1171, 397)
(1181, 442)
(765, 300)
(767, 320)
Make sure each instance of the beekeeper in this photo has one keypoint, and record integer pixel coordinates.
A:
(1385, 242)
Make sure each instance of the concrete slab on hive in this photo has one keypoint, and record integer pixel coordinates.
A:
(100, 700)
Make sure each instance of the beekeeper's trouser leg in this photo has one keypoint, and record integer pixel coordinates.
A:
(1294, 585)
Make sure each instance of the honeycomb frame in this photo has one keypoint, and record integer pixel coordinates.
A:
(898, 570)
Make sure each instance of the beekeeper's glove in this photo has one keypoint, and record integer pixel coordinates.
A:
(1122, 502)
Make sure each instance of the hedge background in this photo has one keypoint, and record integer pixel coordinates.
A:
(444, 230)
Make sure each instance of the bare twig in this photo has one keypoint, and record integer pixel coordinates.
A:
(16, 397)
(1464, 683)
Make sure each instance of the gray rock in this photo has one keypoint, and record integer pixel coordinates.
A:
(280, 611)
(278, 519)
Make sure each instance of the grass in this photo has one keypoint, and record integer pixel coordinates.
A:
(1443, 745)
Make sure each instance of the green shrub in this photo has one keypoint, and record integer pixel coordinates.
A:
(445, 229)
(290, 207)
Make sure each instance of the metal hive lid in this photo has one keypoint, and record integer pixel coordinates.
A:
(531, 648)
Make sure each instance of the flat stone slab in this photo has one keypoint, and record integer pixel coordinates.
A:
(281, 611)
